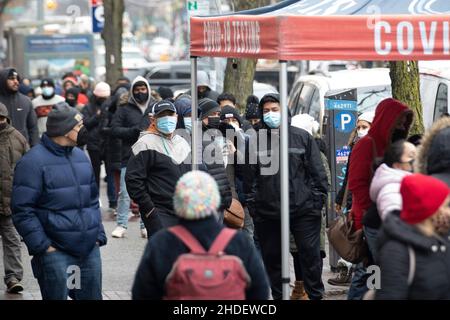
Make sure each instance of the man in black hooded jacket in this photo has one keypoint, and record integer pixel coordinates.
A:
(20, 109)
(307, 194)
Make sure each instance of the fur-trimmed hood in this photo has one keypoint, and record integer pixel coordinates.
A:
(434, 154)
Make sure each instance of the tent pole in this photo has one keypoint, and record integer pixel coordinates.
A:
(284, 165)
(194, 114)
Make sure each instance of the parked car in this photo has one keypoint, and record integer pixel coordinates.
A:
(307, 95)
(372, 85)
(434, 83)
(172, 74)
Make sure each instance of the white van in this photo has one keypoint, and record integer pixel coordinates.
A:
(434, 83)
(372, 85)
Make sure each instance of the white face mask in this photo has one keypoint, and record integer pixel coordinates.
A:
(362, 132)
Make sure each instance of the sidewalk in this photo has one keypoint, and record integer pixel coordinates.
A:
(120, 259)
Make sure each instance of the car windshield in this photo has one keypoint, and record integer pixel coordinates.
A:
(369, 97)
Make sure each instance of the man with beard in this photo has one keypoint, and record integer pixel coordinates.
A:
(128, 122)
(20, 109)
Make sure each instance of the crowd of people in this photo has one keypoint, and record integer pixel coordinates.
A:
(50, 193)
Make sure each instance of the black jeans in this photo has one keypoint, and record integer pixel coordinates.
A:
(96, 161)
(306, 232)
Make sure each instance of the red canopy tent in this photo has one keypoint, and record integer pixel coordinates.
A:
(320, 30)
(330, 30)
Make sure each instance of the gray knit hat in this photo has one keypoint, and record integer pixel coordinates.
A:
(62, 119)
(208, 107)
(3, 111)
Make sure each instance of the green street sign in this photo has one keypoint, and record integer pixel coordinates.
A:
(192, 5)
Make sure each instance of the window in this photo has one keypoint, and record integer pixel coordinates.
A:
(441, 104)
(314, 109)
(292, 104)
(160, 74)
(305, 99)
(182, 75)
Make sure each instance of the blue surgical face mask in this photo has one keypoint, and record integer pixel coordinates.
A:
(167, 124)
(188, 123)
(272, 119)
(48, 91)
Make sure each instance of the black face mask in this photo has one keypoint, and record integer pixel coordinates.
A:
(213, 122)
(100, 101)
(83, 137)
(71, 102)
(3, 126)
(398, 135)
(141, 97)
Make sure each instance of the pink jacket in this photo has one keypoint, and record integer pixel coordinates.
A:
(385, 189)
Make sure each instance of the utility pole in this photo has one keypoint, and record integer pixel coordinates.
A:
(41, 14)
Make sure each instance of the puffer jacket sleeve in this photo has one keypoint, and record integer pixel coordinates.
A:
(101, 238)
(136, 177)
(385, 190)
(27, 189)
(394, 266)
(218, 172)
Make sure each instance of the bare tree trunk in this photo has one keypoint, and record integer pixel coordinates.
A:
(239, 73)
(238, 81)
(112, 36)
(406, 88)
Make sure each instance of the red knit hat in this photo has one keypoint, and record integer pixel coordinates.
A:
(422, 196)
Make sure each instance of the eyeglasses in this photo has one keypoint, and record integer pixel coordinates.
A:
(411, 162)
(13, 78)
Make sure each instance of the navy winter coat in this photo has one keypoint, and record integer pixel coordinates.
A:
(55, 200)
(164, 248)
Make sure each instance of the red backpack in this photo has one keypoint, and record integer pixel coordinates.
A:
(201, 275)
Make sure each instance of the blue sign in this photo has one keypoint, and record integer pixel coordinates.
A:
(344, 121)
(341, 105)
(59, 43)
(344, 152)
(98, 18)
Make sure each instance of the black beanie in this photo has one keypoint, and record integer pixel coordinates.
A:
(230, 112)
(252, 111)
(62, 119)
(165, 93)
(208, 106)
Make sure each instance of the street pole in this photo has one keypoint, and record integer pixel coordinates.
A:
(40, 13)
(195, 125)
(285, 275)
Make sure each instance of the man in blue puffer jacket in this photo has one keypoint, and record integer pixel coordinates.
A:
(56, 210)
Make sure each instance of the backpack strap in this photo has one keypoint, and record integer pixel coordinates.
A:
(187, 238)
(222, 241)
(412, 265)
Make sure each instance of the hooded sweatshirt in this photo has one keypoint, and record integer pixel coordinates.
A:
(385, 189)
(42, 107)
(434, 154)
(371, 147)
(20, 110)
(129, 120)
